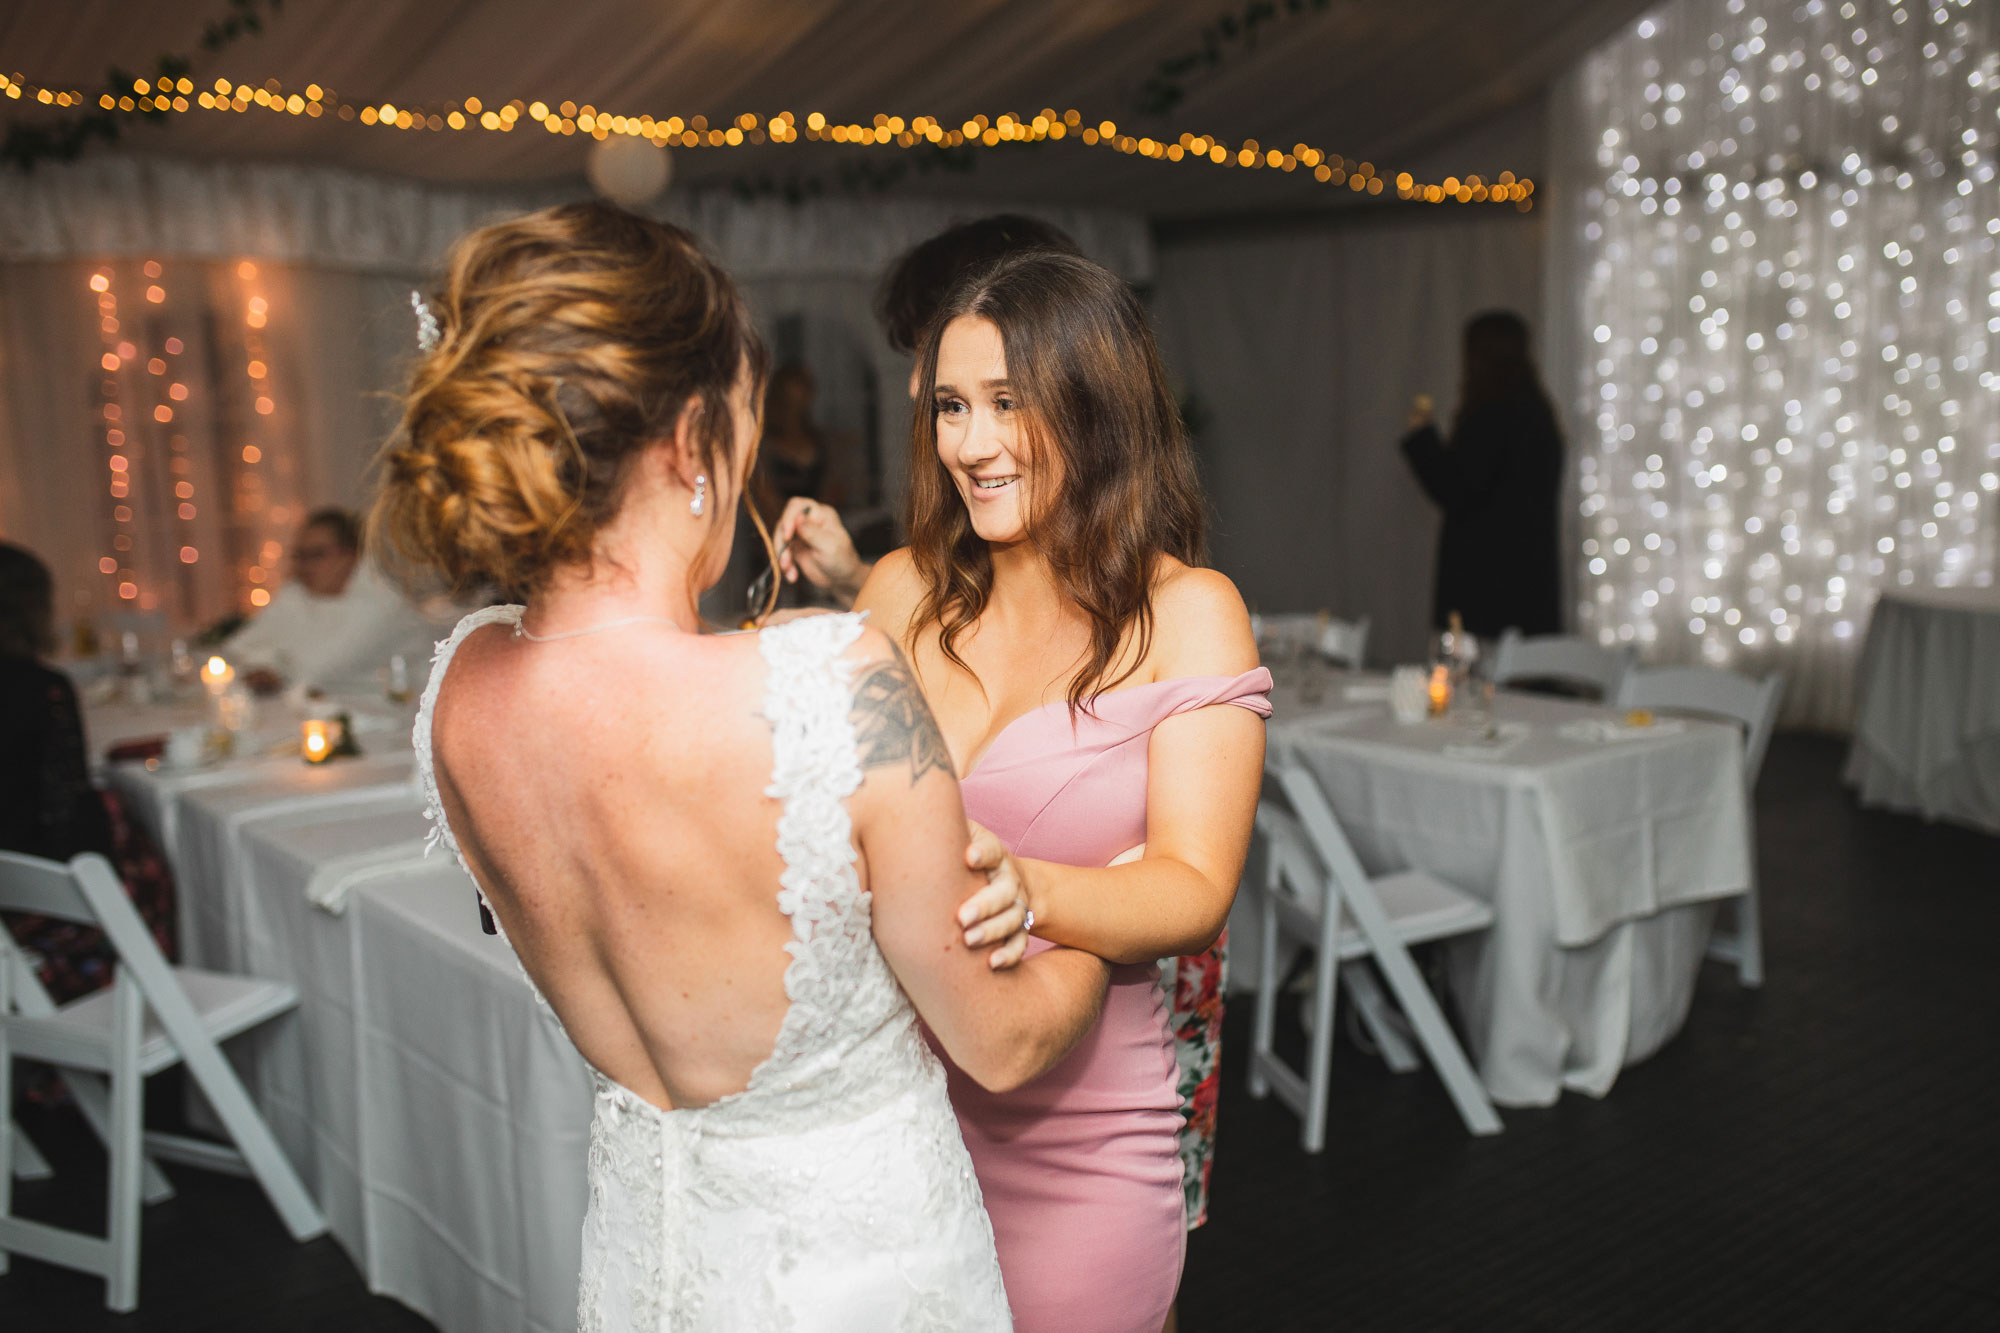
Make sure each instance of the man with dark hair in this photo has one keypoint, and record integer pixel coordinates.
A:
(809, 536)
(335, 625)
(915, 285)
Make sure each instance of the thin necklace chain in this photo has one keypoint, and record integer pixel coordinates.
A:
(521, 630)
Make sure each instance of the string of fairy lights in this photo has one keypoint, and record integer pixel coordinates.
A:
(250, 482)
(1789, 245)
(152, 474)
(125, 417)
(182, 96)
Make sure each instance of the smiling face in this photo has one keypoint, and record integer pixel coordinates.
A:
(982, 433)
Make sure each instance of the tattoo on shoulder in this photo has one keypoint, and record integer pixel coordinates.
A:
(893, 724)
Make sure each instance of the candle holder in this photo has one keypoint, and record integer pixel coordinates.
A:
(324, 738)
(315, 740)
(1440, 689)
(216, 676)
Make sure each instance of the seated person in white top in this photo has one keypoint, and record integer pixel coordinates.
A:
(333, 628)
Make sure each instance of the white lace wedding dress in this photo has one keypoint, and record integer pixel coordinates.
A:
(834, 1191)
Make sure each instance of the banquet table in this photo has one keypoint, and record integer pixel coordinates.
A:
(432, 1105)
(1602, 858)
(440, 1106)
(115, 722)
(1927, 715)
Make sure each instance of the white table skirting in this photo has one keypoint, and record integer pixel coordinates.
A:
(1602, 860)
(434, 1109)
(1927, 718)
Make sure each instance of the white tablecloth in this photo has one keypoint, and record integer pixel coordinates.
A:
(107, 725)
(1602, 861)
(476, 1117)
(435, 1110)
(1927, 718)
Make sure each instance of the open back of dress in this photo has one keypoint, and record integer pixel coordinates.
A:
(834, 1191)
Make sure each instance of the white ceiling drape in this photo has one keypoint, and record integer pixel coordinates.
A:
(1384, 82)
(149, 206)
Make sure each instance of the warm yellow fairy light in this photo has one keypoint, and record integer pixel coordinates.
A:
(568, 118)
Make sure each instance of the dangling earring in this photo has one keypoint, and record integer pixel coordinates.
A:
(700, 489)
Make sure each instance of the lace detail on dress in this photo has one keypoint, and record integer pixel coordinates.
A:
(833, 1193)
(420, 736)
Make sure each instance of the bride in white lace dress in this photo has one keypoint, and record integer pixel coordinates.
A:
(730, 863)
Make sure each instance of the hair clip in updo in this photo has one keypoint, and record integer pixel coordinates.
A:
(427, 325)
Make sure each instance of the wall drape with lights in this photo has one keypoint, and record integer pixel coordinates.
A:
(1778, 219)
(169, 408)
(166, 423)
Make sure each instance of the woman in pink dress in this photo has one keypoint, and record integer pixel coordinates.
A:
(1072, 649)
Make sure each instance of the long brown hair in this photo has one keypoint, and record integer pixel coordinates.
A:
(1093, 395)
(571, 339)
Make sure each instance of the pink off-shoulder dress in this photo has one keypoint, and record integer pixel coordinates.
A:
(1080, 1169)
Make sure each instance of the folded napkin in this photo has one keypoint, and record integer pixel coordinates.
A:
(1505, 737)
(1600, 729)
(336, 879)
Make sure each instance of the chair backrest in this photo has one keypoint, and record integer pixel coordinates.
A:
(1562, 657)
(86, 889)
(1284, 634)
(1712, 692)
(42, 887)
(1345, 641)
(1314, 815)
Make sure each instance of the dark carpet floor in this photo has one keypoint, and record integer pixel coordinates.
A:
(1818, 1154)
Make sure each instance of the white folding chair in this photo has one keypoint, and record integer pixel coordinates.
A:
(1345, 641)
(152, 1017)
(86, 1090)
(1753, 704)
(1284, 634)
(1315, 891)
(1560, 657)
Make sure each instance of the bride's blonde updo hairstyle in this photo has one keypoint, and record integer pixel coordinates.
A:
(569, 340)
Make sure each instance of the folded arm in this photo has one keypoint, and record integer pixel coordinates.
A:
(1204, 769)
(1003, 1026)
(1201, 798)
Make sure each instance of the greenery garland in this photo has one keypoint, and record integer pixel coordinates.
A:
(1168, 84)
(64, 139)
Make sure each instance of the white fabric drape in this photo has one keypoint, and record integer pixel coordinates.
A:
(1778, 221)
(1301, 350)
(333, 218)
(1383, 82)
(332, 256)
(237, 462)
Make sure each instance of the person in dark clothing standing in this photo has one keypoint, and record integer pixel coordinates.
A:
(1499, 482)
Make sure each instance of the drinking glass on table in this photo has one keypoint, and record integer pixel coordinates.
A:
(398, 691)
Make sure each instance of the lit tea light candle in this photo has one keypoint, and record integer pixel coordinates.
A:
(315, 740)
(217, 675)
(1440, 688)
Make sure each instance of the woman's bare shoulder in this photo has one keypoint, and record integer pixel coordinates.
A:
(1200, 625)
(892, 593)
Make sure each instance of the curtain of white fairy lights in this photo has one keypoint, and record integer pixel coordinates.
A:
(1790, 309)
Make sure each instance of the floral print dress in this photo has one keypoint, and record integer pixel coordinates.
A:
(1194, 1013)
